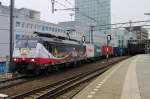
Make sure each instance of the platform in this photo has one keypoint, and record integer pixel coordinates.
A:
(129, 79)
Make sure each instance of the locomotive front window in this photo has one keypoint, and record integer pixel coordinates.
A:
(32, 43)
(26, 43)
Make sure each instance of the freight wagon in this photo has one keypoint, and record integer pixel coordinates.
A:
(136, 47)
(106, 50)
(118, 51)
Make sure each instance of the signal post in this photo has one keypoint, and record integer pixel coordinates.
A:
(107, 49)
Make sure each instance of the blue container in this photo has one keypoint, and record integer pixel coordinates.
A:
(2, 67)
(118, 51)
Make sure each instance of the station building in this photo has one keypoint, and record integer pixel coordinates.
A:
(140, 32)
(120, 37)
(99, 37)
(93, 12)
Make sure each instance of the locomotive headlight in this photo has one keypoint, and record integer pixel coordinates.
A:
(15, 59)
(24, 51)
(32, 60)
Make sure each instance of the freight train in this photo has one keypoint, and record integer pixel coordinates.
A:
(49, 52)
(138, 46)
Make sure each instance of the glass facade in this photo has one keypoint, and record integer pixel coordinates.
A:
(98, 10)
(94, 12)
(43, 28)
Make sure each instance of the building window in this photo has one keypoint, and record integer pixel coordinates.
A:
(35, 26)
(28, 25)
(31, 26)
(52, 29)
(62, 30)
(38, 27)
(22, 24)
(17, 36)
(43, 28)
(46, 28)
(18, 24)
(55, 29)
(59, 30)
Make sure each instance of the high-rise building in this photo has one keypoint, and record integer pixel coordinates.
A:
(93, 13)
(97, 12)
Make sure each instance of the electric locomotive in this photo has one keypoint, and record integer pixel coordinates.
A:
(44, 51)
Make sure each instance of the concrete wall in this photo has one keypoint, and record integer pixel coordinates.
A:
(4, 35)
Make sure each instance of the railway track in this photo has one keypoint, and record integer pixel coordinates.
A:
(12, 82)
(51, 91)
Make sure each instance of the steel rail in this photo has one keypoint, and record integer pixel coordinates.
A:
(12, 82)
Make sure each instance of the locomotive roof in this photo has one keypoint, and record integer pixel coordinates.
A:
(51, 39)
(54, 36)
(56, 39)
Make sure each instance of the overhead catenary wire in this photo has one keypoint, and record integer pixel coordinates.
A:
(75, 9)
(125, 23)
(68, 2)
(85, 15)
(104, 28)
(122, 23)
(119, 27)
(61, 4)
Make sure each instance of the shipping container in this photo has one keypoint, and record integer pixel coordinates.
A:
(93, 50)
(118, 51)
(97, 51)
(106, 50)
(89, 50)
(137, 47)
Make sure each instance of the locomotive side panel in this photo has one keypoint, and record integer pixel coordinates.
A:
(66, 52)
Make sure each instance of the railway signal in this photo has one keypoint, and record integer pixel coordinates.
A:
(108, 38)
(107, 50)
(83, 39)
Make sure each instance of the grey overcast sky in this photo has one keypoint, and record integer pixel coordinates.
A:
(121, 10)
